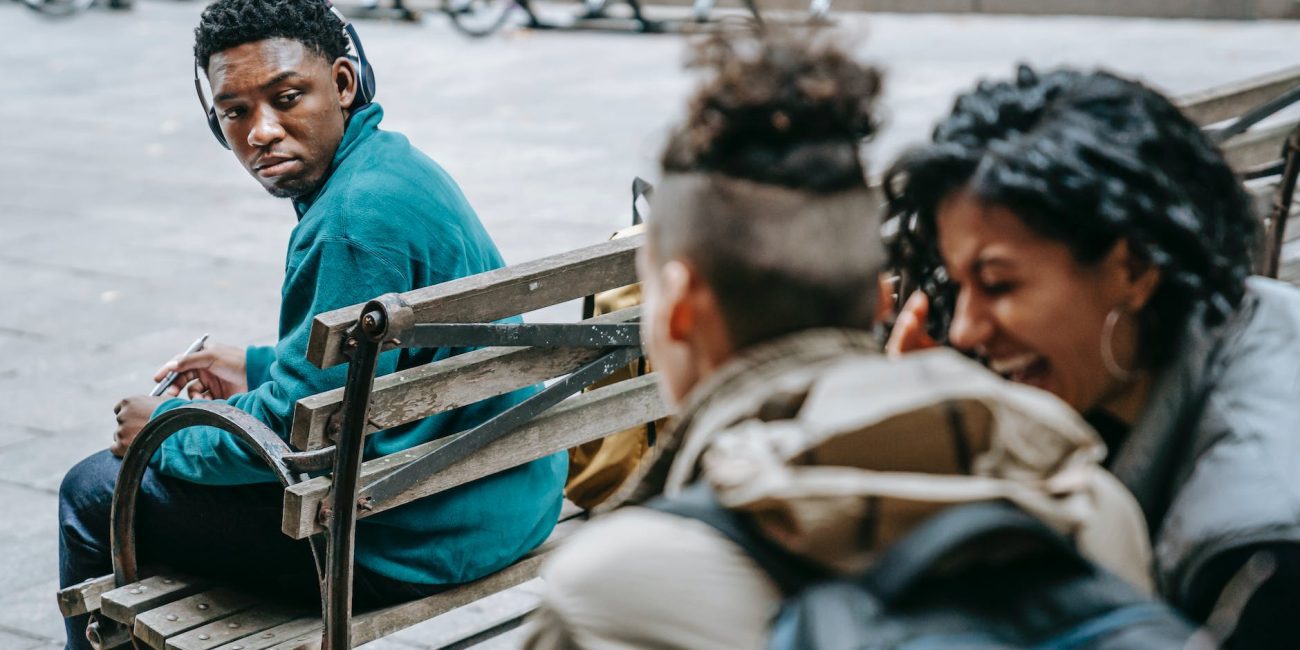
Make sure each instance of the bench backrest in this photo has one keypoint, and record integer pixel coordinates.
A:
(415, 393)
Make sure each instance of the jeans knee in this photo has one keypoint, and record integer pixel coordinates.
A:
(87, 488)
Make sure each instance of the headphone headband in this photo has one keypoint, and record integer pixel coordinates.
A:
(365, 77)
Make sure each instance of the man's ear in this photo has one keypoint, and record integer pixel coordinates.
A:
(346, 81)
(677, 278)
(1139, 275)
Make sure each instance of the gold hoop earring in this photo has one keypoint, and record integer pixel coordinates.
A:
(1108, 349)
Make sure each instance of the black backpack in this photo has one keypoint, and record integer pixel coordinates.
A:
(978, 576)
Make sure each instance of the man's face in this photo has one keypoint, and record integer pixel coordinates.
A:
(281, 107)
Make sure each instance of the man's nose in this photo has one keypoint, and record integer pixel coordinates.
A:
(266, 129)
(971, 326)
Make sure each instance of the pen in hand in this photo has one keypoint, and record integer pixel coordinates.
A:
(171, 376)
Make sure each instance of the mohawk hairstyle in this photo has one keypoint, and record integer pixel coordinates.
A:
(229, 23)
(784, 108)
(780, 224)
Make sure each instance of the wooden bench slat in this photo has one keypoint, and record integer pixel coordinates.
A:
(232, 628)
(84, 598)
(156, 625)
(372, 625)
(494, 295)
(1231, 100)
(369, 626)
(1257, 147)
(422, 391)
(276, 635)
(577, 420)
(124, 604)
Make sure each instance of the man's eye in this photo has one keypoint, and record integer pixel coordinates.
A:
(289, 98)
(232, 113)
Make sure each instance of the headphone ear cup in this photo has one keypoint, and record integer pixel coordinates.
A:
(215, 125)
(365, 82)
(368, 84)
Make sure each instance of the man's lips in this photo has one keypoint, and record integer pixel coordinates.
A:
(278, 166)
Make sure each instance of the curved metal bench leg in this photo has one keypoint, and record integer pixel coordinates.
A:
(339, 517)
(269, 447)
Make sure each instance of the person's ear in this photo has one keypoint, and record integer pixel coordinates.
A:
(346, 81)
(676, 278)
(1139, 276)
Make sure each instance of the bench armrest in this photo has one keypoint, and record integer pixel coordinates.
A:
(269, 447)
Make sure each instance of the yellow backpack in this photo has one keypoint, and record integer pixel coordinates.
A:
(599, 467)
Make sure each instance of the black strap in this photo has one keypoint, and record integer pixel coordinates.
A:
(908, 561)
(640, 188)
(790, 572)
(902, 566)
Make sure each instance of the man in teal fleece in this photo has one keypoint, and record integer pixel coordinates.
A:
(374, 216)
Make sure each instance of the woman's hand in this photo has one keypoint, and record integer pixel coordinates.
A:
(215, 372)
(909, 330)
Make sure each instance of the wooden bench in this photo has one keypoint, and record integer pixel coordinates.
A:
(163, 610)
(174, 612)
(1230, 114)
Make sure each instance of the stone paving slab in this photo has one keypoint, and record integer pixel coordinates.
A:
(125, 231)
(12, 641)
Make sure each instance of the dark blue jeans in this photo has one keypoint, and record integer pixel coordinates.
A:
(226, 533)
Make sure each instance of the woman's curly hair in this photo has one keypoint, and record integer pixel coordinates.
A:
(228, 23)
(785, 108)
(1088, 159)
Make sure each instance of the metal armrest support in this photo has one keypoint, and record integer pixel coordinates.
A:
(268, 446)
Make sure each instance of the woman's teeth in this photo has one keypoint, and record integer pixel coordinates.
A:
(1014, 367)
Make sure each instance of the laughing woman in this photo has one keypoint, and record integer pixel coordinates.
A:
(1081, 235)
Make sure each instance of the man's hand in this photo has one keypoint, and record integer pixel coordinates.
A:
(909, 330)
(132, 414)
(215, 372)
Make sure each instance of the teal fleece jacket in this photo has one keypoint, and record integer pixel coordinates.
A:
(388, 219)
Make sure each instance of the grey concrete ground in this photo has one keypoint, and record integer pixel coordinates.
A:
(125, 230)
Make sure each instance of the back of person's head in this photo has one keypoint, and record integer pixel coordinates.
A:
(229, 23)
(764, 194)
(1089, 159)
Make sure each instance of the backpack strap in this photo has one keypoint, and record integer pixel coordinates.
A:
(900, 568)
(907, 562)
(790, 572)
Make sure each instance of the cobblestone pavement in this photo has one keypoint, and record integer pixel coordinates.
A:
(125, 231)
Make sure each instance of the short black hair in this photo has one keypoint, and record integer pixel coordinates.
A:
(1088, 159)
(229, 23)
(781, 226)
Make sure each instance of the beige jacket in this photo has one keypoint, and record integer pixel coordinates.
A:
(837, 452)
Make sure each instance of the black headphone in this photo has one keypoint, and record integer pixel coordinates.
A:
(365, 89)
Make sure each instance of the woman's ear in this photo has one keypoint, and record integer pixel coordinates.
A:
(346, 81)
(1139, 276)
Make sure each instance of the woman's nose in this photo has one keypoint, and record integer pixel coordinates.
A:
(970, 327)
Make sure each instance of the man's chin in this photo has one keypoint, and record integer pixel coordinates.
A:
(289, 188)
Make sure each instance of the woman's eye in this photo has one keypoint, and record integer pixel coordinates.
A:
(998, 288)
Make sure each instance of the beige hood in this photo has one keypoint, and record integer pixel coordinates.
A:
(879, 444)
